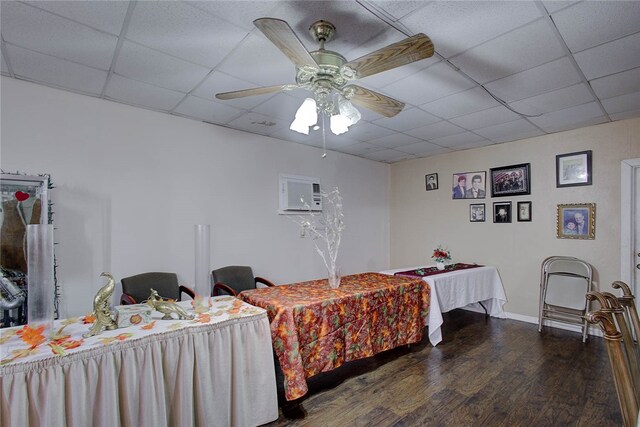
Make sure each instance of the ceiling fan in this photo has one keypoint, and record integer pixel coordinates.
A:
(326, 73)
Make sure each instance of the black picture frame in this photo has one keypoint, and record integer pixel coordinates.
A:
(573, 169)
(524, 211)
(477, 212)
(502, 212)
(513, 180)
(431, 181)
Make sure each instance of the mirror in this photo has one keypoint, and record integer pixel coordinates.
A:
(25, 200)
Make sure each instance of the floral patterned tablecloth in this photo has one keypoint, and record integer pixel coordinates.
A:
(23, 344)
(316, 329)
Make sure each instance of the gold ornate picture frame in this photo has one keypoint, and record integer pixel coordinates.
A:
(576, 221)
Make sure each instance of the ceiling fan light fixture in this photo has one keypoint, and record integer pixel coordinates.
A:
(339, 124)
(349, 111)
(306, 116)
(299, 126)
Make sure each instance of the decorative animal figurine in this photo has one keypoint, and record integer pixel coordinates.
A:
(101, 308)
(166, 307)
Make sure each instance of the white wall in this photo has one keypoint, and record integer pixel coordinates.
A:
(421, 220)
(131, 184)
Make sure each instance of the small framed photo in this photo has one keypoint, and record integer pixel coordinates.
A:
(511, 180)
(476, 212)
(469, 185)
(524, 211)
(573, 169)
(502, 212)
(431, 181)
(576, 221)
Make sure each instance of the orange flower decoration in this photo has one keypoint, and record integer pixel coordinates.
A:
(89, 318)
(149, 326)
(32, 336)
(203, 318)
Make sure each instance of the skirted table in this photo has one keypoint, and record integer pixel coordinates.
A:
(215, 370)
(316, 329)
(457, 288)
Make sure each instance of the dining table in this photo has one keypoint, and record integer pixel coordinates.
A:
(316, 328)
(215, 369)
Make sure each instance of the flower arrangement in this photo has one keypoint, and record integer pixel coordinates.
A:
(441, 255)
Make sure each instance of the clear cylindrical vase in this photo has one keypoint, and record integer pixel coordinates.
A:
(334, 278)
(40, 277)
(203, 259)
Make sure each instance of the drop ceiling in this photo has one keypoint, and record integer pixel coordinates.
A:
(502, 71)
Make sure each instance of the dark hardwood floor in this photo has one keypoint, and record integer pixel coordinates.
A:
(486, 372)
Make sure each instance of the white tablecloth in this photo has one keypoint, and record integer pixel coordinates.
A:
(456, 289)
(217, 370)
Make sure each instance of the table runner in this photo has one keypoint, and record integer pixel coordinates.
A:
(316, 329)
(432, 271)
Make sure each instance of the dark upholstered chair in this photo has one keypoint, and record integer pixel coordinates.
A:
(234, 279)
(136, 289)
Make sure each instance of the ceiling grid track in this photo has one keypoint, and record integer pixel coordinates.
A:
(116, 52)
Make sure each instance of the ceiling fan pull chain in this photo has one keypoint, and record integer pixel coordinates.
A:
(324, 139)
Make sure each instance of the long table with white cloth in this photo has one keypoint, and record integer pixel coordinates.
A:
(460, 288)
(214, 370)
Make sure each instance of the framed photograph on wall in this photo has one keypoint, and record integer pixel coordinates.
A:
(576, 221)
(469, 185)
(511, 180)
(501, 212)
(524, 211)
(476, 212)
(573, 169)
(431, 181)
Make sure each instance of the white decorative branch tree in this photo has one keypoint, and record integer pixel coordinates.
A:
(325, 230)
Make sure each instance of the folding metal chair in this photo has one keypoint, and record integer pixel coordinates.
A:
(564, 282)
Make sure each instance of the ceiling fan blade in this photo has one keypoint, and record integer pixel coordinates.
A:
(395, 55)
(255, 91)
(374, 101)
(281, 34)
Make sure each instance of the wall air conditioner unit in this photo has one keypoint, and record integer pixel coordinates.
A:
(299, 194)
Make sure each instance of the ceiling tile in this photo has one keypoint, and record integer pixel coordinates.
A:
(422, 148)
(583, 123)
(511, 53)
(209, 111)
(484, 118)
(591, 23)
(466, 102)
(432, 83)
(195, 36)
(617, 84)
(516, 136)
(477, 144)
(550, 122)
(147, 65)
(398, 9)
(613, 57)
(360, 148)
(103, 15)
(387, 156)
(40, 31)
(455, 26)
(366, 131)
(240, 13)
(258, 123)
(510, 129)
(459, 139)
(257, 60)
(56, 72)
(4, 68)
(625, 115)
(555, 5)
(550, 76)
(394, 141)
(623, 103)
(281, 105)
(435, 130)
(555, 100)
(409, 118)
(286, 134)
(142, 94)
